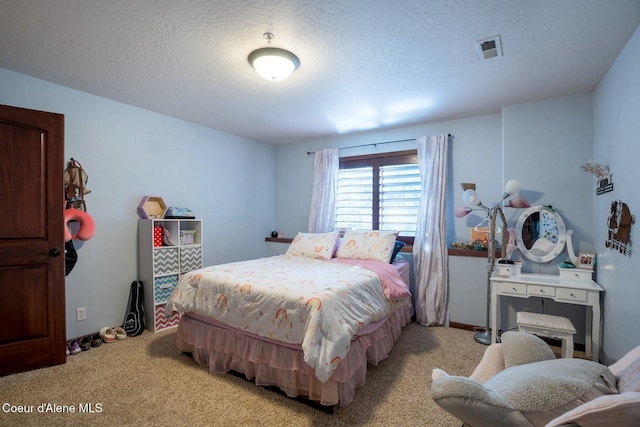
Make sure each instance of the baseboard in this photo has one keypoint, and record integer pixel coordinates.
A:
(550, 341)
(464, 326)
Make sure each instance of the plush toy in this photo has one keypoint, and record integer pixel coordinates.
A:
(87, 226)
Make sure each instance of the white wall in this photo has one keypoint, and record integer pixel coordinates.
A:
(474, 146)
(545, 143)
(468, 290)
(559, 129)
(541, 144)
(129, 153)
(617, 145)
(474, 139)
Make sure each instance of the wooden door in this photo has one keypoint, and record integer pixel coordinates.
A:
(32, 296)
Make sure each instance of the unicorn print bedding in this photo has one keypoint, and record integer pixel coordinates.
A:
(317, 302)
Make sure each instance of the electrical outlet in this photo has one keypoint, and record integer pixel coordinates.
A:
(81, 314)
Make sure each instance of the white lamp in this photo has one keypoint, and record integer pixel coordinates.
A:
(272, 63)
(470, 197)
(511, 187)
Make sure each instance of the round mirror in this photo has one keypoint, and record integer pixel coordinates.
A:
(541, 233)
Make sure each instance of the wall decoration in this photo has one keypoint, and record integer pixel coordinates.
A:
(605, 184)
(75, 185)
(480, 233)
(620, 220)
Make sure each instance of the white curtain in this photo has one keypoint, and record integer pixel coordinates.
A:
(430, 246)
(325, 187)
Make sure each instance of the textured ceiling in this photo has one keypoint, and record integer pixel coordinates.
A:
(364, 64)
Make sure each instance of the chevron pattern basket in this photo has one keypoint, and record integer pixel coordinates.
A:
(190, 258)
(165, 261)
(162, 321)
(163, 286)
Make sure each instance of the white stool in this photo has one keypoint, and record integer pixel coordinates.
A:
(550, 326)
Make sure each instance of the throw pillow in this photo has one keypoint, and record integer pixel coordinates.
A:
(314, 245)
(367, 245)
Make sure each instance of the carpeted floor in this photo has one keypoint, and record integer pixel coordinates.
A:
(144, 380)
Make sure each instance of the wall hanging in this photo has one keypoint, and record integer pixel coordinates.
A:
(605, 183)
(620, 220)
(75, 187)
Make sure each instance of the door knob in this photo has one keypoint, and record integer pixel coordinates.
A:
(54, 252)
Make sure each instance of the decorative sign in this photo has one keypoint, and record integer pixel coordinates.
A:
(620, 220)
(605, 184)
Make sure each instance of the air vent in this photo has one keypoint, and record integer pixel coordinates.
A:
(489, 48)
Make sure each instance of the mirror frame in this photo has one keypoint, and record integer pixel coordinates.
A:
(559, 246)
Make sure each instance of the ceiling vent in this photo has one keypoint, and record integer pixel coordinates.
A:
(489, 48)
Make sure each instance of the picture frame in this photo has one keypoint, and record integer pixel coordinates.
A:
(480, 233)
(586, 260)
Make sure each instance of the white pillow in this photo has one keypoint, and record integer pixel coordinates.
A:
(314, 245)
(368, 245)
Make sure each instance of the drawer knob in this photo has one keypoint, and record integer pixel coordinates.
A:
(542, 291)
(514, 288)
(572, 295)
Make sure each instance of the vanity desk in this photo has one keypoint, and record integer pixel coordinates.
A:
(561, 288)
(541, 237)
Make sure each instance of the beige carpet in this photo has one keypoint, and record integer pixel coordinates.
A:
(144, 381)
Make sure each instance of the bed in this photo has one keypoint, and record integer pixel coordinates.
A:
(308, 321)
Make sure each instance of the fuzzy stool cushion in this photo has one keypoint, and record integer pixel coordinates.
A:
(549, 326)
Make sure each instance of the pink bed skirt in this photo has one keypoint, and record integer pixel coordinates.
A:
(271, 364)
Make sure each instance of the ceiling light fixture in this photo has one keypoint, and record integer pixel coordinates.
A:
(272, 63)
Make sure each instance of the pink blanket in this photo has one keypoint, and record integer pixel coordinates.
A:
(394, 286)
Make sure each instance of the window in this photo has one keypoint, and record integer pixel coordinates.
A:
(379, 192)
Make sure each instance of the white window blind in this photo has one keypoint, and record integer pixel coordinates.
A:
(354, 202)
(399, 198)
(381, 196)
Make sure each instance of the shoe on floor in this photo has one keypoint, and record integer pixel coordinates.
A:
(85, 344)
(120, 333)
(107, 334)
(74, 347)
(96, 340)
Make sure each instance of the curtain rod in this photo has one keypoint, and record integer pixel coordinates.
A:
(375, 144)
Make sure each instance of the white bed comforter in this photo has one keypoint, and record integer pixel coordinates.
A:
(318, 304)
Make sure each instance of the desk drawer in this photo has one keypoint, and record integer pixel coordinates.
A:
(572, 295)
(513, 288)
(542, 291)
